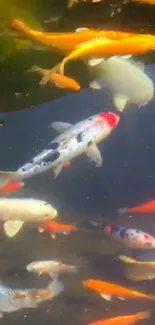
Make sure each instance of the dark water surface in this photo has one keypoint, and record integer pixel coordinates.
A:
(81, 192)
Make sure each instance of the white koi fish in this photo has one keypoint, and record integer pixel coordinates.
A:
(16, 211)
(73, 142)
(51, 267)
(126, 79)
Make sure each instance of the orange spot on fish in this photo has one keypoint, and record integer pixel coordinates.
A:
(11, 187)
(67, 164)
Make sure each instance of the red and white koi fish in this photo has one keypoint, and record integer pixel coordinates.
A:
(75, 140)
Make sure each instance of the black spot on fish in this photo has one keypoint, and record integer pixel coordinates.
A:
(53, 145)
(123, 233)
(31, 161)
(90, 143)
(52, 158)
(79, 137)
(116, 229)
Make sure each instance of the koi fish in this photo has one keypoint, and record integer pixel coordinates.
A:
(150, 2)
(106, 290)
(53, 268)
(15, 299)
(131, 238)
(73, 142)
(102, 47)
(57, 79)
(11, 187)
(55, 228)
(63, 42)
(148, 207)
(138, 270)
(125, 78)
(123, 320)
(16, 211)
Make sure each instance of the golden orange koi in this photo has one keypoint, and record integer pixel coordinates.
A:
(64, 42)
(102, 47)
(107, 290)
(57, 79)
(123, 320)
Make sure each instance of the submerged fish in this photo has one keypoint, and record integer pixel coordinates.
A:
(16, 211)
(151, 2)
(108, 290)
(104, 48)
(11, 187)
(138, 270)
(125, 78)
(53, 268)
(55, 78)
(15, 299)
(131, 238)
(54, 228)
(73, 142)
(148, 207)
(123, 320)
(63, 42)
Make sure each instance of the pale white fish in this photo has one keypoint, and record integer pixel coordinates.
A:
(126, 79)
(16, 211)
(51, 267)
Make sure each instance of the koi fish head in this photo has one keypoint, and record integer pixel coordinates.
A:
(111, 118)
(88, 284)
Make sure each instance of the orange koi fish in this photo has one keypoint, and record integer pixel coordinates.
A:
(57, 79)
(107, 290)
(11, 187)
(151, 2)
(103, 47)
(123, 320)
(148, 207)
(55, 228)
(63, 42)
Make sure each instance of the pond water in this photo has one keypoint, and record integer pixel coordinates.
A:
(82, 192)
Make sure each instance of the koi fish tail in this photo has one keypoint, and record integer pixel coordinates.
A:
(7, 177)
(33, 69)
(122, 210)
(55, 286)
(144, 314)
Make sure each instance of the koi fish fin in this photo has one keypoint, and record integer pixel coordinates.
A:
(11, 228)
(60, 126)
(95, 85)
(7, 177)
(43, 81)
(56, 287)
(34, 68)
(122, 210)
(95, 61)
(121, 298)
(138, 64)
(94, 154)
(127, 259)
(144, 314)
(71, 3)
(106, 297)
(120, 102)
(57, 170)
(52, 235)
(1, 315)
(39, 47)
(79, 29)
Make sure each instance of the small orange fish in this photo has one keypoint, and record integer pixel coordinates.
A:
(123, 320)
(107, 290)
(63, 42)
(11, 187)
(148, 207)
(150, 2)
(104, 47)
(57, 79)
(54, 228)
